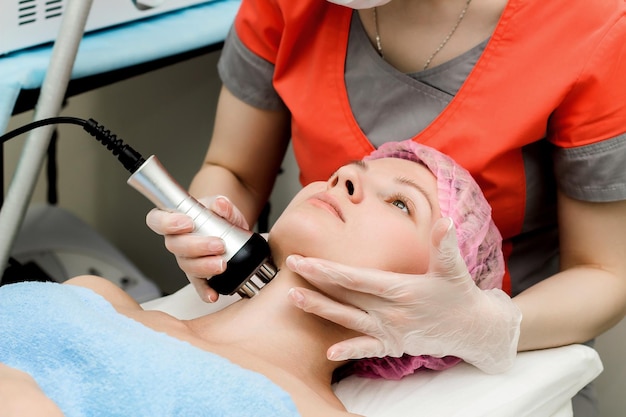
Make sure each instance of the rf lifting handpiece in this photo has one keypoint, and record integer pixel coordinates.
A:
(247, 253)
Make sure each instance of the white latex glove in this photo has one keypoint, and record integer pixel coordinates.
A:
(439, 313)
(200, 257)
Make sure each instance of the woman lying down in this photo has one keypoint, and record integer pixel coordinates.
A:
(85, 347)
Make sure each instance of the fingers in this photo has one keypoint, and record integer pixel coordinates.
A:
(223, 207)
(193, 246)
(357, 348)
(202, 267)
(206, 293)
(445, 257)
(167, 223)
(345, 315)
(440, 230)
(164, 222)
(198, 270)
(198, 256)
(330, 276)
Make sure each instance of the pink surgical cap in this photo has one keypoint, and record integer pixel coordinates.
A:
(480, 244)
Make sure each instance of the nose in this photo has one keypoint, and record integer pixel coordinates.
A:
(350, 187)
(348, 180)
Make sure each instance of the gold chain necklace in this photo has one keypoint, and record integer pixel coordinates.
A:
(443, 43)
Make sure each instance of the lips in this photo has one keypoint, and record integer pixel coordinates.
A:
(327, 202)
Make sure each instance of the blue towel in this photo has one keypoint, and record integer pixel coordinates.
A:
(93, 361)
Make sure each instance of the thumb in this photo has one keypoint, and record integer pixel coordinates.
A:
(356, 348)
(223, 207)
(445, 257)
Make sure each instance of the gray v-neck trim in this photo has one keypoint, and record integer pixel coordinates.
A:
(380, 107)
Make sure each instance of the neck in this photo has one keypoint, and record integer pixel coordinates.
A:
(413, 33)
(271, 328)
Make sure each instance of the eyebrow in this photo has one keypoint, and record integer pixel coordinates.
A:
(403, 181)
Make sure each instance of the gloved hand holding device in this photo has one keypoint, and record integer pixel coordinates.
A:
(200, 257)
(440, 313)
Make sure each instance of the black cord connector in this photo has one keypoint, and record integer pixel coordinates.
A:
(130, 158)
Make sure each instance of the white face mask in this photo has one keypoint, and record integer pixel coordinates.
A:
(360, 4)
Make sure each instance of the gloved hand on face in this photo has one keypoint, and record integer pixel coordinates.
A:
(440, 313)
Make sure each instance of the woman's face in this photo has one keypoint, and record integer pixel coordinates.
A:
(374, 214)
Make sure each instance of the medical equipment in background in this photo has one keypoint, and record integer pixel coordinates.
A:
(62, 246)
(49, 104)
(27, 23)
(247, 253)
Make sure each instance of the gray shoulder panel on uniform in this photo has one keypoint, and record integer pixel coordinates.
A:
(248, 76)
(595, 172)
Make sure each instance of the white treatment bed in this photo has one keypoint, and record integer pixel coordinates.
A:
(541, 383)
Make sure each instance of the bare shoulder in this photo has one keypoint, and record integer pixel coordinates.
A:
(111, 292)
(21, 396)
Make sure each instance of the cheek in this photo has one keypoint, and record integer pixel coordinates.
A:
(370, 239)
(298, 232)
(392, 247)
(292, 220)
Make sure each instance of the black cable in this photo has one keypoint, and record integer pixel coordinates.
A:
(130, 158)
(39, 123)
(51, 169)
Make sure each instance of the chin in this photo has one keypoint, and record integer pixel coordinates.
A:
(303, 237)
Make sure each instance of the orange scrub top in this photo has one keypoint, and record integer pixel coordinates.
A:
(552, 72)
